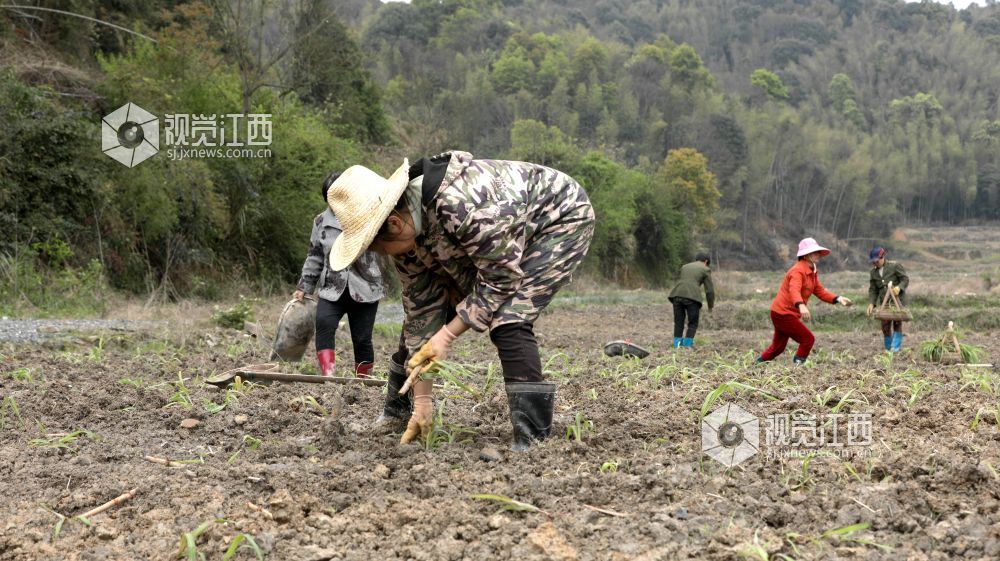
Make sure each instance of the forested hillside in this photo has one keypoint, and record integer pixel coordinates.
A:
(833, 117)
(733, 126)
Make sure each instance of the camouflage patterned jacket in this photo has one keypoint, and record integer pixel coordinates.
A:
(498, 239)
(363, 277)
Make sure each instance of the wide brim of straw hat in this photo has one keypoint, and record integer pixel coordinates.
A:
(812, 248)
(362, 200)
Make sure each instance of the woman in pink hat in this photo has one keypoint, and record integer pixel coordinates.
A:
(789, 309)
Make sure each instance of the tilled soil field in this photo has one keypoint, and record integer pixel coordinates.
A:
(297, 470)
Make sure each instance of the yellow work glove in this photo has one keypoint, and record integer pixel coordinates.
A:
(422, 419)
(871, 309)
(895, 290)
(432, 351)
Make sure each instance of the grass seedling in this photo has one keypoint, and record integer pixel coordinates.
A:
(445, 433)
(849, 467)
(454, 374)
(730, 387)
(981, 380)
(22, 375)
(846, 533)
(309, 402)
(610, 466)
(800, 479)
(232, 396)
(592, 394)
(189, 541)
(137, 383)
(560, 373)
(96, 353)
(181, 397)
(239, 540)
(987, 412)
(828, 396)
(507, 504)
(65, 441)
(917, 389)
(59, 524)
(249, 442)
(579, 428)
(10, 404)
(758, 551)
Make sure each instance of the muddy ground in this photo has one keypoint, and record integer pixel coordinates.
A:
(297, 468)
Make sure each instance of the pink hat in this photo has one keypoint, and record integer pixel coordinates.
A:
(809, 245)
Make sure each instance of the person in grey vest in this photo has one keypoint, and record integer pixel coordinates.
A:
(354, 292)
(686, 298)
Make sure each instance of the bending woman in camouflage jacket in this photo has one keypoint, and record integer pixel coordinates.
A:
(481, 244)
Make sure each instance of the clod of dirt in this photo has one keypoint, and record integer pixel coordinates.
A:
(313, 553)
(332, 429)
(107, 532)
(282, 506)
(381, 471)
(240, 419)
(490, 454)
(548, 539)
(190, 423)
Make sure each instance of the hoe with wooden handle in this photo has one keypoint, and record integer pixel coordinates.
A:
(226, 378)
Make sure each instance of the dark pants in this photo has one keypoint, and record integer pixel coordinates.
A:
(361, 318)
(686, 307)
(789, 327)
(517, 347)
(889, 326)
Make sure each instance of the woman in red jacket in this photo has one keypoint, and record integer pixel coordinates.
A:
(789, 309)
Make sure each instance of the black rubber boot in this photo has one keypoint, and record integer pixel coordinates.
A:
(531, 405)
(396, 411)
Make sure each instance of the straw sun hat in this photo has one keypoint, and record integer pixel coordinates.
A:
(362, 200)
(809, 245)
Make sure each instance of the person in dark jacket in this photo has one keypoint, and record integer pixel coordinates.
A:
(883, 272)
(353, 291)
(686, 298)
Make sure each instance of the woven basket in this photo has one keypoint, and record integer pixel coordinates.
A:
(894, 311)
(893, 315)
(950, 357)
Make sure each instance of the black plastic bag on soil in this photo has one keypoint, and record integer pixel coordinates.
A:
(296, 326)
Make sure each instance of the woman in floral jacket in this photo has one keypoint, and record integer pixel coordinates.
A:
(354, 292)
